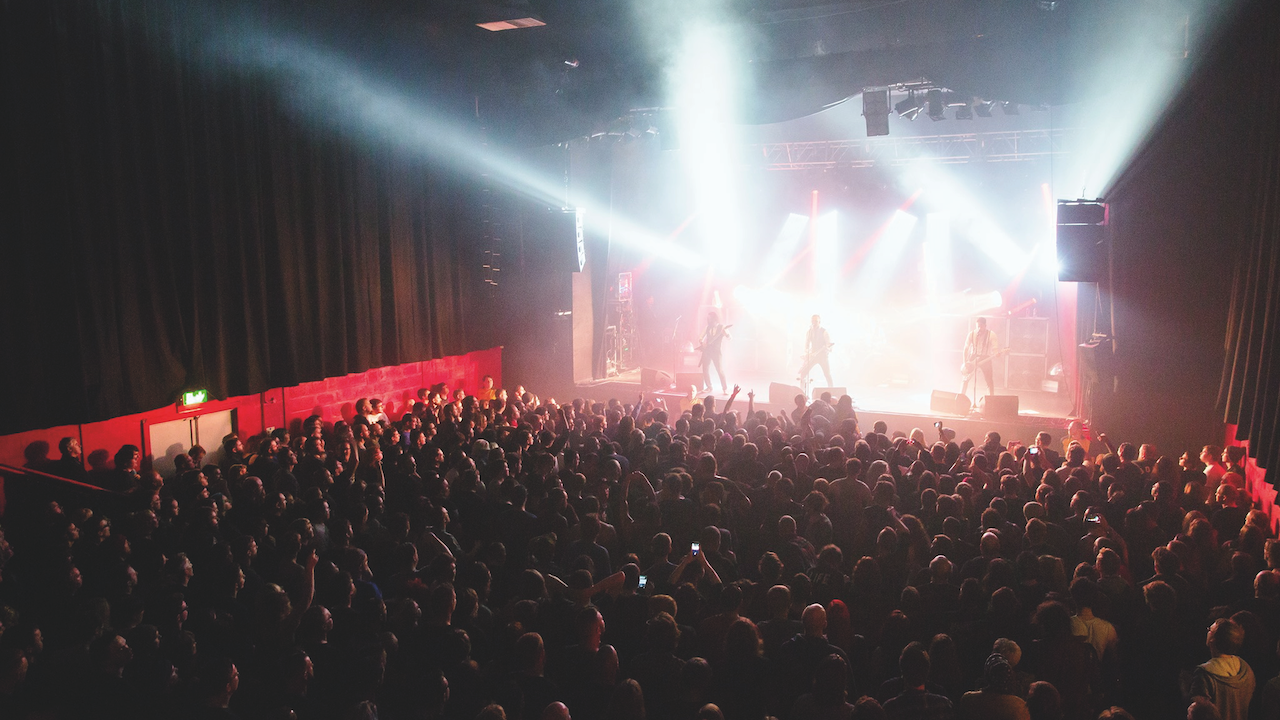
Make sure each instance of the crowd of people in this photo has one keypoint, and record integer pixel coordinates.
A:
(499, 556)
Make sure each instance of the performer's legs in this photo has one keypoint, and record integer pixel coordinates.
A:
(806, 371)
(706, 376)
(826, 371)
(724, 384)
(988, 373)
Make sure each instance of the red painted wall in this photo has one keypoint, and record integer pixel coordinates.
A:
(334, 397)
(41, 444)
(1264, 495)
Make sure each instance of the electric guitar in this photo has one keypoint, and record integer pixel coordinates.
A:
(804, 378)
(815, 352)
(705, 344)
(971, 366)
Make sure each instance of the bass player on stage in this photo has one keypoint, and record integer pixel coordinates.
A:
(817, 351)
(979, 353)
(710, 344)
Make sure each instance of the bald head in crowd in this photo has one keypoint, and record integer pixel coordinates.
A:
(814, 620)
(990, 544)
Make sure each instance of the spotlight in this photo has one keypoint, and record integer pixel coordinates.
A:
(964, 112)
(937, 111)
(1009, 108)
(983, 108)
(910, 107)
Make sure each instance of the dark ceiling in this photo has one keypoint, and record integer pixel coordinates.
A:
(798, 56)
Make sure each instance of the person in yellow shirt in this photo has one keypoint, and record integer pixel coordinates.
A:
(689, 400)
(1076, 433)
(486, 393)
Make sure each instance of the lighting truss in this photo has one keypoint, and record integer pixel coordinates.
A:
(893, 151)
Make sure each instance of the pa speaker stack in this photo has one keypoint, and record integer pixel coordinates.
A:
(1083, 250)
(875, 108)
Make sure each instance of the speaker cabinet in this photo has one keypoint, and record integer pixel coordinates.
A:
(1095, 361)
(875, 108)
(654, 379)
(784, 395)
(1082, 241)
(1029, 336)
(950, 403)
(1000, 407)
(1027, 372)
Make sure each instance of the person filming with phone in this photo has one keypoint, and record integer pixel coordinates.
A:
(694, 568)
(1096, 528)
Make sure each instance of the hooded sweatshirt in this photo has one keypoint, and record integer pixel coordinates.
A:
(1228, 681)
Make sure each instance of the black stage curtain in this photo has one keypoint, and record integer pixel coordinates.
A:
(170, 227)
(1250, 392)
(1203, 193)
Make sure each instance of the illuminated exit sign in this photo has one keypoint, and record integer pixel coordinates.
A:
(194, 397)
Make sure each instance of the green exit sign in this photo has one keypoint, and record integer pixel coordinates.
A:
(194, 397)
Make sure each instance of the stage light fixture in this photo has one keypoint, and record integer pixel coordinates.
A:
(1009, 108)
(937, 111)
(910, 107)
(983, 108)
(964, 112)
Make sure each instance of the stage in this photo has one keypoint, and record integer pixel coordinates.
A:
(901, 408)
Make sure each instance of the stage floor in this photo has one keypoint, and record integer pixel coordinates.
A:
(901, 408)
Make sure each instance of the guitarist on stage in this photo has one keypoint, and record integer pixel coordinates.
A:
(817, 351)
(710, 345)
(979, 350)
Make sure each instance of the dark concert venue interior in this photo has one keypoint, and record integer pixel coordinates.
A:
(640, 359)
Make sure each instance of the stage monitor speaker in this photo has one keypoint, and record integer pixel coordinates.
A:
(784, 395)
(685, 379)
(654, 379)
(836, 392)
(948, 402)
(1000, 407)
